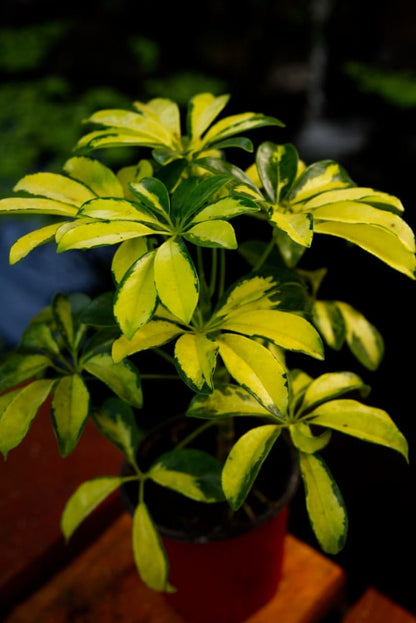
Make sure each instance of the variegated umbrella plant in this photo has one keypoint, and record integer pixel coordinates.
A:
(191, 286)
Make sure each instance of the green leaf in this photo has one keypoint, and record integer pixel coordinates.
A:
(190, 197)
(364, 340)
(212, 234)
(193, 473)
(84, 234)
(196, 357)
(284, 329)
(277, 166)
(255, 368)
(367, 423)
(136, 296)
(324, 503)
(259, 292)
(99, 313)
(18, 368)
(225, 401)
(149, 554)
(122, 377)
(375, 240)
(94, 174)
(70, 407)
(331, 385)
(328, 319)
(154, 333)
(85, 499)
(244, 462)
(303, 438)
(116, 420)
(17, 411)
(25, 244)
(56, 187)
(176, 279)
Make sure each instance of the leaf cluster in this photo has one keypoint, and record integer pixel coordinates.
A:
(180, 220)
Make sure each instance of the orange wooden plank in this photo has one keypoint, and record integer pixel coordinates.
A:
(102, 585)
(35, 483)
(374, 607)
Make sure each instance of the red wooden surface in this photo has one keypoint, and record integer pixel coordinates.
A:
(35, 483)
(102, 586)
(373, 607)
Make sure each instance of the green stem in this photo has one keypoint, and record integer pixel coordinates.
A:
(264, 256)
(221, 286)
(194, 434)
(214, 270)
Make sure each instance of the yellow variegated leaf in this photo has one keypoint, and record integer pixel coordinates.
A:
(305, 440)
(117, 210)
(144, 126)
(70, 406)
(94, 174)
(290, 331)
(115, 138)
(122, 377)
(356, 213)
(356, 193)
(229, 126)
(55, 186)
(17, 411)
(85, 235)
(331, 385)
(149, 554)
(363, 338)
(298, 226)
(136, 296)
(212, 234)
(196, 357)
(126, 254)
(30, 241)
(37, 205)
(359, 420)
(227, 400)
(319, 177)
(176, 279)
(328, 319)
(225, 208)
(154, 333)
(165, 111)
(202, 110)
(135, 173)
(85, 499)
(254, 367)
(244, 462)
(255, 290)
(326, 508)
(377, 241)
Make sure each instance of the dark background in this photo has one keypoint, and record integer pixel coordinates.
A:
(341, 75)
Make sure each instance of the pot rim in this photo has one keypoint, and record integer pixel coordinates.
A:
(275, 508)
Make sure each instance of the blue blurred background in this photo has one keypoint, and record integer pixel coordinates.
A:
(341, 75)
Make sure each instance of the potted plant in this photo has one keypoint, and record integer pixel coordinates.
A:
(210, 294)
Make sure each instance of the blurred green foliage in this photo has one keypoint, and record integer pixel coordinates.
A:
(395, 87)
(41, 110)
